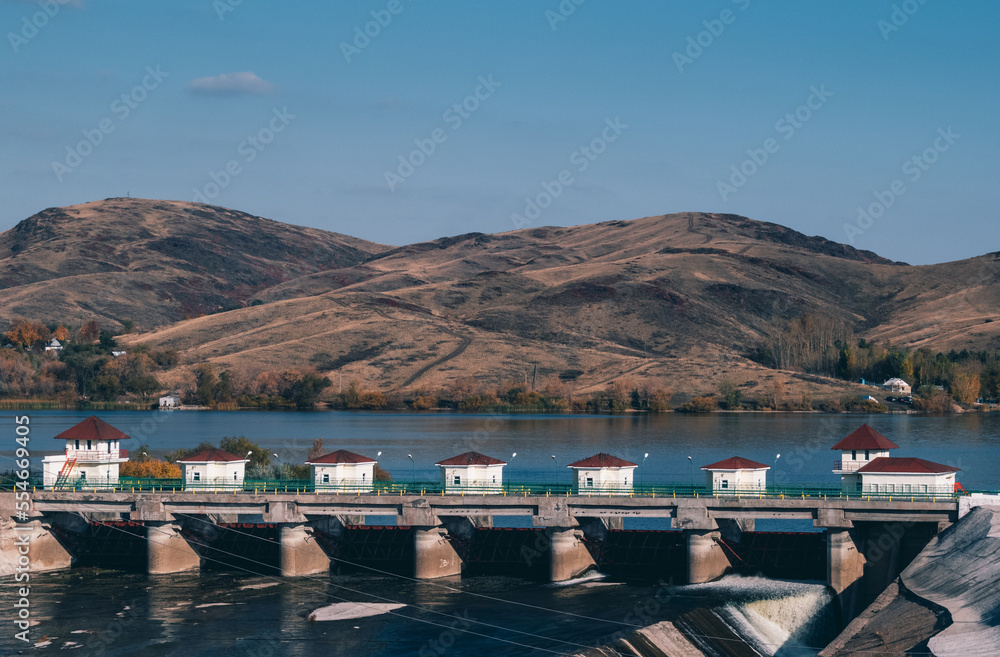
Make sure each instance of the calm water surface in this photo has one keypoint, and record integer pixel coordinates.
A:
(966, 441)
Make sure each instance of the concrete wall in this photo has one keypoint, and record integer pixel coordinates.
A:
(905, 484)
(348, 477)
(731, 481)
(619, 480)
(476, 478)
(229, 473)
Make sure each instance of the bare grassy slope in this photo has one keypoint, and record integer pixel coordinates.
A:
(672, 300)
(155, 261)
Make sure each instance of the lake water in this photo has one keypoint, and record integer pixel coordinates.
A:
(965, 441)
(119, 613)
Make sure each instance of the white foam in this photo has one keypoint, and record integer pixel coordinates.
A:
(588, 577)
(263, 585)
(772, 615)
(213, 604)
(351, 610)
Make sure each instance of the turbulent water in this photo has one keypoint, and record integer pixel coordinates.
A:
(783, 618)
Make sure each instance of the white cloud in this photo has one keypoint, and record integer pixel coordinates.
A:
(231, 84)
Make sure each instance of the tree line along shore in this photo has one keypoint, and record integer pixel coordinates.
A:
(88, 371)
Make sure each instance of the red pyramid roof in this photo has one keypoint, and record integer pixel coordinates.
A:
(93, 428)
(906, 465)
(341, 456)
(214, 454)
(736, 463)
(864, 437)
(603, 460)
(471, 458)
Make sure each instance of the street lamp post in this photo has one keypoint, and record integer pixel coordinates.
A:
(691, 463)
(413, 476)
(642, 469)
(512, 457)
(774, 477)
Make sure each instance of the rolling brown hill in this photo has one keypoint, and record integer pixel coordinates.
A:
(671, 300)
(155, 262)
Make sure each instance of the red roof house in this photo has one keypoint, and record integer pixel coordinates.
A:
(906, 465)
(736, 463)
(471, 472)
(905, 476)
(736, 474)
(213, 468)
(864, 437)
(603, 460)
(471, 458)
(340, 456)
(214, 455)
(94, 429)
(343, 471)
(603, 473)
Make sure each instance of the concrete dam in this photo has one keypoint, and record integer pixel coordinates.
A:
(864, 544)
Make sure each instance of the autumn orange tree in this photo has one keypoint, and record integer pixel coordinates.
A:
(26, 333)
(151, 469)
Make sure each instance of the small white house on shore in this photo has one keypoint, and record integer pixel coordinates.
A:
(897, 386)
(54, 345)
(343, 471)
(471, 472)
(92, 457)
(173, 400)
(213, 468)
(736, 475)
(905, 476)
(603, 473)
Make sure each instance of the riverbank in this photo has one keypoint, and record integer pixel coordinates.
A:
(49, 405)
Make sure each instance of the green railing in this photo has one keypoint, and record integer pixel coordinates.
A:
(511, 489)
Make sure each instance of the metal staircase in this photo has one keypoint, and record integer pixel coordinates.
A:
(67, 468)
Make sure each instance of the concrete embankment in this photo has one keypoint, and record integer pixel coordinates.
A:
(947, 601)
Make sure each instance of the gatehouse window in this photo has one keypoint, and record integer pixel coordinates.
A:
(197, 476)
(458, 480)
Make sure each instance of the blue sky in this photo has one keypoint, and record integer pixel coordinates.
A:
(614, 110)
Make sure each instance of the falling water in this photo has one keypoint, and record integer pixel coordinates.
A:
(774, 617)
